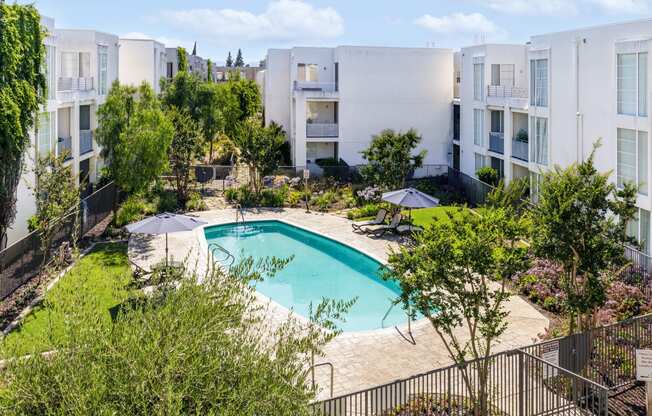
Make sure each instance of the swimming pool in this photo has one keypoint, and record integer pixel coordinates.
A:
(321, 268)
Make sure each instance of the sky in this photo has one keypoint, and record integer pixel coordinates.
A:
(220, 26)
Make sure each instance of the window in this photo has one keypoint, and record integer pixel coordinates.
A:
(539, 147)
(170, 69)
(478, 127)
(478, 82)
(539, 82)
(495, 74)
(499, 166)
(50, 70)
(69, 65)
(307, 72)
(639, 228)
(84, 65)
(497, 121)
(479, 161)
(102, 64)
(45, 133)
(337, 76)
(632, 83)
(632, 164)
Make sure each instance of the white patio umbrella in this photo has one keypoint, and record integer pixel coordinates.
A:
(163, 224)
(410, 198)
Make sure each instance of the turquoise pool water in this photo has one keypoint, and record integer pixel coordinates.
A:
(321, 268)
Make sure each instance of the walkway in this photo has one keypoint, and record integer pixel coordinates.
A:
(361, 359)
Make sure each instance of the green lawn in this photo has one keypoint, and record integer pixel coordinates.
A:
(424, 216)
(102, 277)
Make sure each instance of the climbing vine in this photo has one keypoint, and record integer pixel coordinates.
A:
(22, 90)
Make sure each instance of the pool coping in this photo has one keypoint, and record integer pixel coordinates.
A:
(401, 329)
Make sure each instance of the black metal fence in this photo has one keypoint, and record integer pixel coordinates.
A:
(474, 190)
(21, 261)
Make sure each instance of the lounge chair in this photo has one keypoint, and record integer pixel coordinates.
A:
(406, 228)
(379, 220)
(380, 230)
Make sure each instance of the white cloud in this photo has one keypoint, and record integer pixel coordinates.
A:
(534, 7)
(623, 6)
(281, 20)
(458, 23)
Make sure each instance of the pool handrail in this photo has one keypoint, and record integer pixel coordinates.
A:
(330, 365)
(212, 247)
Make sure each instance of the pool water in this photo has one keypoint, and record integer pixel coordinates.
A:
(321, 268)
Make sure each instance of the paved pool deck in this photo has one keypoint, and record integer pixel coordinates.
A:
(360, 359)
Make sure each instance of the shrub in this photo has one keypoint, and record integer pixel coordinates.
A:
(624, 301)
(274, 197)
(540, 284)
(231, 194)
(488, 175)
(294, 198)
(135, 208)
(347, 197)
(325, 200)
(195, 202)
(368, 210)
(167, 201)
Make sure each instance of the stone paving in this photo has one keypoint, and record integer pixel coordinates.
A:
(361, 359)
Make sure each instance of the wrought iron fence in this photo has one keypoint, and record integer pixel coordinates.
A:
(21, 261)
(474, 190)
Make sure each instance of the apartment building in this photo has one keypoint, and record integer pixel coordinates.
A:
(80, 67)
(142, 60)
(569, 90)
(223, 73)
(196, 64)
(331, 101)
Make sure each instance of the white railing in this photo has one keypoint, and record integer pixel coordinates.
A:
(322, 130)
(85, 141)
(314, 86)
(75, 84)
(64, 145)
(506, 92)
(520, 150)
(497, 142)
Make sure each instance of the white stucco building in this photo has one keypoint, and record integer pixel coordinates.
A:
(570, 89)
(80, 67)
(196, 64)
(142, 60)
(331, 101)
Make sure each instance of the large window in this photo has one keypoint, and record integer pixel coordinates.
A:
(480, 161)
(639, 228)
(102, 65)
(632, 83)
(539, 82)
(539, 142)
(478, 127)
(478, 82)
(632, 164)
(50, 70)
(45, 133)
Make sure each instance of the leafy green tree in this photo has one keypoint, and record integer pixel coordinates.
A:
(260, 148)
(187, 348)
(57, 196)
(182, 57)
(488, 175)
(229, 60)
(209, 68)
(580, 223)
(239, 61)
(22, 90)
(390, 158)
(182, 93)
(215, 103)
(456, 276)
(249, 103)
(185, 148)
(135, 136)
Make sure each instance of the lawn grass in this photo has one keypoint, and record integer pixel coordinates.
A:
(103, 276)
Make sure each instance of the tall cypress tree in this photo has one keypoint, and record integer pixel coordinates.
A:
(183, 59)
(22, 90)
(239, 61)
(229, 60)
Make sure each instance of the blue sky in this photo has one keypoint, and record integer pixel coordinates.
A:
(220, 26)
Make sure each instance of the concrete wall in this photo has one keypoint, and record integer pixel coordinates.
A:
(142, 60)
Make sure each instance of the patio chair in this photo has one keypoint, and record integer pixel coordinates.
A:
(408, 229)
(380, 230)
(379, 220)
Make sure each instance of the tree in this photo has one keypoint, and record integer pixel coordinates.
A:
(259, 147)
(22, 89)
(185, 148)
(229, 60)
(215, 102)
(57, 196)
(390, 158)
(135, 136)
(456, 277)
(249, 103)
(195, 349)
(182, 93)
(580, 223)
(209, 68)
(239, 61)
(182, 57)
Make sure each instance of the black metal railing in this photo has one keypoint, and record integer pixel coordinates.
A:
(474, 190)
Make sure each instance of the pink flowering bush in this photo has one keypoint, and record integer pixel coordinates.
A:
(540, 283)
(624, 301)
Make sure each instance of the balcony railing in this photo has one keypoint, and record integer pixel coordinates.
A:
(64, 145)
(314, 86)
(322, 130)
(75, 84)
(506, 92)
(497, 142)
(85, 141)
(520, 150)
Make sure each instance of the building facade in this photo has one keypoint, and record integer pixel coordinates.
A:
(142, 60)
(331, 101)
(80, 67)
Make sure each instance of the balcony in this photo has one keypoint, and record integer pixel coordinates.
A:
(314, 86)
(497, 142)
(520, 150)
(64, 145)
(500, 95)
(75, 84)
(317, 130)
(85, 142)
